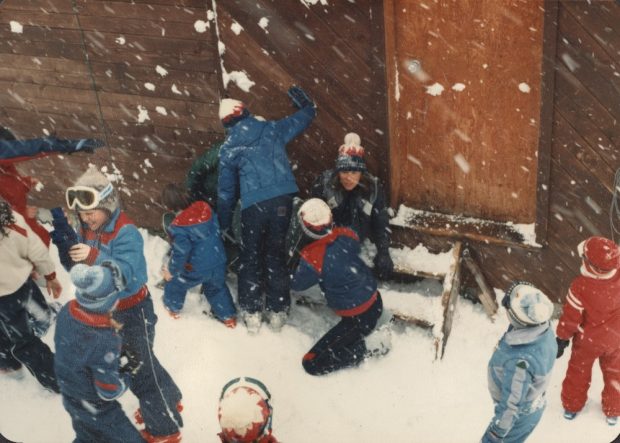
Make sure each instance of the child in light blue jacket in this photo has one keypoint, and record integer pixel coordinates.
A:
(520, 368)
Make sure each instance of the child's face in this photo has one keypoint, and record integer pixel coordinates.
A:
(94, 218)
(349, 179)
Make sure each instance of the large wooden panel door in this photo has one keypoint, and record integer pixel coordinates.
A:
(464, 79)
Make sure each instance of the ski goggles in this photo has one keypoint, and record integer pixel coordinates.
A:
(86, 197)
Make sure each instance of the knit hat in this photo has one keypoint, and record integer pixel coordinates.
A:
(315, 218)
(93, 178)
(97, 287)
(527, 305)
(232, 111)
(351, 154)
(244, 410)
(600, 253)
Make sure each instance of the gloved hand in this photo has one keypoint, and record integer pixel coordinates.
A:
(79, 252)
(383, 265)
(562, 344)
(299, 97)
(129, 362)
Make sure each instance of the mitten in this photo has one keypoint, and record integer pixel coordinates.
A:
(129, 362)
(383, 265)
(79, 252)
(299, 97)
(63, 236)
(562, 344)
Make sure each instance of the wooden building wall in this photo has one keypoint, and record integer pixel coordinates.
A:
(585, 149)
(81, 67)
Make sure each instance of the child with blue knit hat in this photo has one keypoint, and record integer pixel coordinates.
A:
(88, 357)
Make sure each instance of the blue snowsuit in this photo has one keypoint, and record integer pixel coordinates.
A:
(120, 241)
(87, 367)
(518, 374)
(255, 168)
(198, 257)
(349, 289)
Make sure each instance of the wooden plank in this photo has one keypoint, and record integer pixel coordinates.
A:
(38, 19)
(451, 286)
(143, 11)
(45, 6)
(56, 49)
(9, 74)
(486, 296)
(44, 63)
(130, 27)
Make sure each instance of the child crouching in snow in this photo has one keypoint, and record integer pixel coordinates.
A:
(333, 262)
(88, 353)
(197, 256)
(520, 368)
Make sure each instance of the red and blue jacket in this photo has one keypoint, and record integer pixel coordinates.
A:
(334, 263)
(197, 245)
(87, 355)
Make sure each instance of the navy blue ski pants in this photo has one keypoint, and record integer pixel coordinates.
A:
(100, 422)
(18, 337)
(155, 389)
(263, 256)
(343, 346)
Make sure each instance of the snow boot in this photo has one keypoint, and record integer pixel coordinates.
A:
(379, 341)
(252, 321)
(276, 320)
(171, 438)
(612, 421)
(568, 415)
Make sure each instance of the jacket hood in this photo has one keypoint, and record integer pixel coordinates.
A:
(246, 131)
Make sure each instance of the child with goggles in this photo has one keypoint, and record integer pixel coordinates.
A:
(106, 233)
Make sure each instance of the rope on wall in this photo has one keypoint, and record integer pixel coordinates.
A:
(614, 210)
(92, 76)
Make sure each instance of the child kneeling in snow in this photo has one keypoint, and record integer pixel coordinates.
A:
(520, 368)
(197, 256)
(88, 354)
(333, 261)
(245, 412)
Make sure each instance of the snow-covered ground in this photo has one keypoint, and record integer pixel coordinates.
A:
(402, 397)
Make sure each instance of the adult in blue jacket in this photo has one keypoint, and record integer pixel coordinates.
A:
(197, 256)
(254, 167)
(106, 233)
(88, 354)
(520, 368)
(332, 260)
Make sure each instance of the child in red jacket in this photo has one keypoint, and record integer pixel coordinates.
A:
(591, 317)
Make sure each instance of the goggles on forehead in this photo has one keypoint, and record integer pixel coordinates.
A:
(86, 197)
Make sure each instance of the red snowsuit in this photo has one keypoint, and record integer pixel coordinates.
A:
(14, 189)
(591, 317)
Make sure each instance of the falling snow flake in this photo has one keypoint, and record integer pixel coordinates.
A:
(524, 87)
(143, 114)
(149, 86)
(120, 40)
(434, 89)
(161, 110)
(236, 28)
(462, 163)
(16, 27)
(458, 87)
(201, 26)
(161, 70)
(263, 23)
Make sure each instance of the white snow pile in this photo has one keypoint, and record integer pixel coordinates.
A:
(405, 396)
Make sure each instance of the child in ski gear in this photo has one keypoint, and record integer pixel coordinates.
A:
(20, 250)
(520, 367)
(245, 412)
(591, 318)
(357, 200)
(88, 357)
(198, 256)
(255, 168)
(107, 233)
(332, 260)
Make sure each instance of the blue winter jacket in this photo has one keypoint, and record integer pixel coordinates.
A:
(17, 150)
(518, 374)
(87, 355)
(253, 162)
(197, 247)
(121, 242)
(334, 263)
